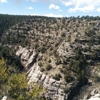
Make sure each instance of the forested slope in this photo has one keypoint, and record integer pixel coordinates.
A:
(69, 47)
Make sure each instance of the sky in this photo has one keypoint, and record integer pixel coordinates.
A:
(51, 8)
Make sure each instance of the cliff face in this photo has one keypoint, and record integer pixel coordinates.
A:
(54, 89)
(27, 57)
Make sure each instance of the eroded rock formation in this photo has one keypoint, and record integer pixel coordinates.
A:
(54, 89)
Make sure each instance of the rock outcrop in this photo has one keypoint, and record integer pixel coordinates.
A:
(94, 95)
(54, 89)
(5, 98)
(66, 50)
(27, 57)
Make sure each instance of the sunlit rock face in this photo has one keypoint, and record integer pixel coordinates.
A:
(54, 89)
(95, 97)
(27, 57)
(95, 94)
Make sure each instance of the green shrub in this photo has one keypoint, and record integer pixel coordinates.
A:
(49, 60)
(63, 35)
(58, 62)
(56, 44)
(57, 77)
(61, 70)
(48, 67)
(36, 45)
(40, 64)
(68, 78)
(42, 69)
(66, 90)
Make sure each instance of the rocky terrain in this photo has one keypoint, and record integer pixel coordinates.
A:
(61, 54)
(53, 87)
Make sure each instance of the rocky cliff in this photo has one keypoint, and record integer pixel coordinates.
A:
(54, 89)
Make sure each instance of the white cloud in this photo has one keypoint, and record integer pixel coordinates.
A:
(83, 9)
(47, 15)
(52, 6)
(78, 5)
(52, 15)
(69, 3)
(3, 1)
(98, 9)
(30, 8)
(81, 3)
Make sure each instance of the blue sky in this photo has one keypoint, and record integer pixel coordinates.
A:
(51, 8)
